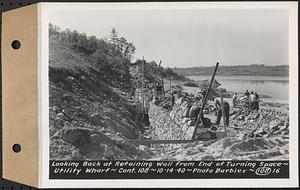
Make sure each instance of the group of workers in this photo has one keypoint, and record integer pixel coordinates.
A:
(250, 100)
(194, 108)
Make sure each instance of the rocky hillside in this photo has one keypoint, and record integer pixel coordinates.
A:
(90, 115)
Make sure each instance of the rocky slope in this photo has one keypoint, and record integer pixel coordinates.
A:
(253, 135)
(90, 115)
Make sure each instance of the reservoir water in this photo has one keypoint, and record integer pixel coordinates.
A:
(275, 86)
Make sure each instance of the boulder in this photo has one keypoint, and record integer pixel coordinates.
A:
(70, 78)
(109, 152)
(60, 116)
(241, 117)
(55, 109)
(94, 155)
(256, 116)
(220, 134)
(191, 122)
(242, 137)
(202, 130)
(207, 157)
(185, 120)
(190, 132)
(83, 77)
(286, 123)
(179, 101)
(205, 111)
(273, 125)
(185, 127)
(206, 135)
(142, 147)
(95, 139)
(52, 130)
(97, 119)
(76, 155)
(68, 97)
(281, 128)
(76, 136)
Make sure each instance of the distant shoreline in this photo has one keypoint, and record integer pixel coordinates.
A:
(241, 70)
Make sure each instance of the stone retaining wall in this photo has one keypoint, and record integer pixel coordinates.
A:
(171, 125)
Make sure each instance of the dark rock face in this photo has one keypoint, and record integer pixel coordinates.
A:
(93, 144)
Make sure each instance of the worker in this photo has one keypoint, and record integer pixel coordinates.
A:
(159, 89)
(252, 97)
(247, 93)
(226, 106)
(234, 99)
(203, 93)
(244, 100)
(256, 101)
(194, 111)
(172, 99)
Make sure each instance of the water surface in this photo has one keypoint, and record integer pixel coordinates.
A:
(275, 86)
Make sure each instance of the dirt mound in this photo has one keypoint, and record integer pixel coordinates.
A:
(253, 148)
(231, 148)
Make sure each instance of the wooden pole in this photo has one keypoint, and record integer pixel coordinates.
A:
(200, 115)
(223, 111)
(207, 93)
(143, 98)
(143, 95)
(163, 84)
(156, 71)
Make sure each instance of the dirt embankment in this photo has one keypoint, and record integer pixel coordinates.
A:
(90, 116)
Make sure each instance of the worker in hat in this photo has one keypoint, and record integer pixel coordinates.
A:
(226, 106)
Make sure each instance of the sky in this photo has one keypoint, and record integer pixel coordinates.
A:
(191, 38)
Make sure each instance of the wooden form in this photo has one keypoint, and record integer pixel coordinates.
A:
(147, 142)
(223, 111)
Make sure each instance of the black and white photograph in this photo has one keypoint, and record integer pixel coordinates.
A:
(177, 91)
(171, 84)
(151, 95)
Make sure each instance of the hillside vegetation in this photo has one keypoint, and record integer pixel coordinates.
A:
(90, 112)
(239, 70)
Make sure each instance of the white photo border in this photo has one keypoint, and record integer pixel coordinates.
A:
(45, 11)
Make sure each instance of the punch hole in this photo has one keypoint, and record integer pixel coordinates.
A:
(16, 44)
(16, 148)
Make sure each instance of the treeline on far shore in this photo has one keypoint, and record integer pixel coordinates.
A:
(239, 70)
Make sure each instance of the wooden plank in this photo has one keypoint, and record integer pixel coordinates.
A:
(164, 141)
